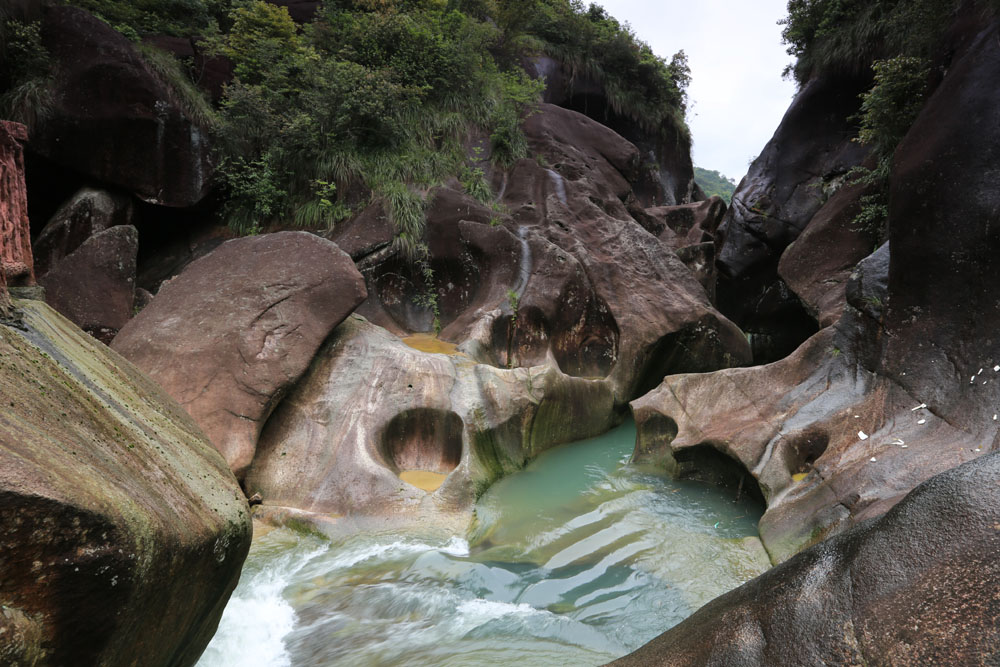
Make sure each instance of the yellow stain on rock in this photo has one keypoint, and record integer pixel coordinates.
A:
(799, 476)
(423, 479)
(426, 342)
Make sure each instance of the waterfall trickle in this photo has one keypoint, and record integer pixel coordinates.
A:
(559, 184)
(524, 273)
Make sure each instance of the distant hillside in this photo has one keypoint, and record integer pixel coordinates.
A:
(714, 183)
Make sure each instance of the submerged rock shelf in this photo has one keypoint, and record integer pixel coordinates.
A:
(578, 559)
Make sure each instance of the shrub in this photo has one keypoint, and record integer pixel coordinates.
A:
(888, 110)
(180, 18)
(639, 84)
(374, 101)
(28, 90)
(847, 36)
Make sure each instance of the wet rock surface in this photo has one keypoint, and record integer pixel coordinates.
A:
(235, 330)
(915, 587)
(124, 530)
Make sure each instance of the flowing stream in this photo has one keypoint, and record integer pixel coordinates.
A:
(578, 559)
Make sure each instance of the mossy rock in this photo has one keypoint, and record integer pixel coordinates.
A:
(124, 531)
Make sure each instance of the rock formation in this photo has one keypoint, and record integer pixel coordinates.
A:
(94, 286)
(667, 175)
(915, 587)
(16, 262)
(565, 276)
(233, 332)
(906, 384)
(372, 407)
(794, 177)
(124, 531)
(88, 212)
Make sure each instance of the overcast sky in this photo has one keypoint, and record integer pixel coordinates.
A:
(737, 96)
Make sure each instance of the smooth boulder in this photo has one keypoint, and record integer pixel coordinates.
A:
(88, 212)
(237, 328)
(94, 286)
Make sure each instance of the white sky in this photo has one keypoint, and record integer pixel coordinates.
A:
(737, 96)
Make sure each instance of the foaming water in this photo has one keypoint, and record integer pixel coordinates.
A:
(258, 617)
(578, 559)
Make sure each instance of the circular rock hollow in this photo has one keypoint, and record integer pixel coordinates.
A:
(422, 446)
(800, 451)
(705, 463)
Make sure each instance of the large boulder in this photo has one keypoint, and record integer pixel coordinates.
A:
(817, 265)
(95, 285)
(229, 335)
(916, 587)
(124, 532)
(906, 384)
(115, 119)
(88, 212)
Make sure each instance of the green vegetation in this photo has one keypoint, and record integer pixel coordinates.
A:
(888, 110)
(639, 84)
(712, 183)
(381, 99)
(27, 78)
(894, 41)
(180, 18)
(847, 36)
(375, 103)
(374, 100)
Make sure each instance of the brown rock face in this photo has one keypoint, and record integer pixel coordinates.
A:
(124, 532)
(228, 336)
(564, 275)
(916, 587)
(687, 224)
(818, 264)
(667, 175)
(690, 229)
(114, 119)
(16, 263)
(95, 285)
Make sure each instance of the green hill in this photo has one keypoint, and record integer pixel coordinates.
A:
(714, 183)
